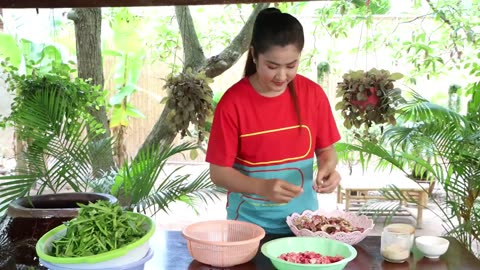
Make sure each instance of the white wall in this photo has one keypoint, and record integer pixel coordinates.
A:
(6, 135)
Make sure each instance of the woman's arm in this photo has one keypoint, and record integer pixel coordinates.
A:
(327, 178)
(234, 181)
(275, 190)
(326, 158)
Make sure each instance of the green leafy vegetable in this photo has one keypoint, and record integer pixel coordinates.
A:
(99, 227)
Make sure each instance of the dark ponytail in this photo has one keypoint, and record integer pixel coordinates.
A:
(274, 28)
(250, 67)
(293, 93)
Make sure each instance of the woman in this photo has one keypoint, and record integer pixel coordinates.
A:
(267, 128)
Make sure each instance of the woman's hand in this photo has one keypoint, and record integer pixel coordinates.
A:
(327, 177)
(279, 191)
(327, 181)
(275, 190)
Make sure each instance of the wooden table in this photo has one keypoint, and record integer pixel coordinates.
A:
(359, 188)
(171, 254)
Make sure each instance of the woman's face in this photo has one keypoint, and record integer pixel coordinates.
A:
(276, 68)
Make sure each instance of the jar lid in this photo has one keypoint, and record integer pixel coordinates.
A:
(400, 228)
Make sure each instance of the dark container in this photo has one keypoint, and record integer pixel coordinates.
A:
(29, 218)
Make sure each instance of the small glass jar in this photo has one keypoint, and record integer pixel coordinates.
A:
(396, 242)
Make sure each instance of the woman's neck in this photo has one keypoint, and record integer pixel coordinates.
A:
(263, 91)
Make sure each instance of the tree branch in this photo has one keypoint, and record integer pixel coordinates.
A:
(217, 64)
(192, 50)
(450, 24)
(162, 132)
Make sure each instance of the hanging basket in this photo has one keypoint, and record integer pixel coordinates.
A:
(368, 98)
(371, 99)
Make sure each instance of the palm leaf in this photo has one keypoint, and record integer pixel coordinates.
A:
(139, 186)
(6, 249)
(366, 150)
(419, 109)
(378, 208)
(201, 190)
(137, 178)
(179, 189)
(59, 151)
(403, 137)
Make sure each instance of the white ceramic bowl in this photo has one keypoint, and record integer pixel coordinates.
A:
(137, 265)
(432, 246)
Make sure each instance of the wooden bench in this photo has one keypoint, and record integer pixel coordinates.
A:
(362, 188)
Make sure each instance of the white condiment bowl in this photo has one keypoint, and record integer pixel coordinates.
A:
(432, 246)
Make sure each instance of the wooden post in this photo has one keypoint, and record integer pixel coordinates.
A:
(347, 199)
(339, 194)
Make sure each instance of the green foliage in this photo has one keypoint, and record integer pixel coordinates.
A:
(423, 53)
(27, 57)
(444, 38)
(44, 68)
(454, 97)
(451, 43)
(450, 154)
(219, 36)
(125, 27)
(59, 154)
(375, 6)
(58, 151)
(190, 99)
(368, 98)
(126, 79)
(291, 7)
(473, 90)
(10, 50)
(129, 50)
(322, 69)
(139, 186)
(350, 16)
(214, 33)
(43, 59)
(80, 95)
(63, 157)
(220, 29)
(166, 42)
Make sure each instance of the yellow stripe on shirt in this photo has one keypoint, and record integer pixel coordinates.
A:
(273, 131)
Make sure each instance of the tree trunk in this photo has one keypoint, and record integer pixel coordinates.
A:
(119, 147)
(1, 20)
(19, 150)
(194, 58)
(90, 67)
(161, 134)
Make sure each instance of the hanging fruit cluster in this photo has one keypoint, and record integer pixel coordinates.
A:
(189, 97)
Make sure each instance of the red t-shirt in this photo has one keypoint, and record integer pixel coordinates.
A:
(253, 130)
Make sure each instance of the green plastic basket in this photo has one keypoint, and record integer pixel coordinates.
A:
(43, 246)
(324, 246)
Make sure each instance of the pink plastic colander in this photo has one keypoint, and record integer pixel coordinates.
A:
(223, 243)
